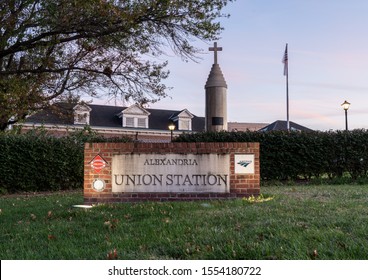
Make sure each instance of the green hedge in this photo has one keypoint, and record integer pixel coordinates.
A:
(301, 155)
(30, 163)
(38, 162)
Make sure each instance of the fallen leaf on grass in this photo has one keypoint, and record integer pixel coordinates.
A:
(111, 224)
(51, 237)
(314, 255)
(234, 254)
(33, 217)
(238, 227)
(127, 216)
(341, 245)
(49, 214)
(257, 199)
(112, 255)
(210, 248)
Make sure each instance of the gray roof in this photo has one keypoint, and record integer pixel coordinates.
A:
(107, 116)
(282, 125)
(241, 126)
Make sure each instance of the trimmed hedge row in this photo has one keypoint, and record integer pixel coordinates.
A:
(38, 162)
(301, 155)
(30, 163)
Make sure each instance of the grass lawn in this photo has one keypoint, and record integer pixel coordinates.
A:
(300, 222)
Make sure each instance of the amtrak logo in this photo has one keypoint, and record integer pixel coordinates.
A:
(244, 163)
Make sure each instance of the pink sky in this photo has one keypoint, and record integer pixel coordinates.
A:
(328, 63)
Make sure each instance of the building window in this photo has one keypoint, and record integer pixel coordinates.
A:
(183, 119)
(129, 122)
(135, 122)
(142, 122)
(134, 116)
(82, 114)
(82, 118)
(185, 124)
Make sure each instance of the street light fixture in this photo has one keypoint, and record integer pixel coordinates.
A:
(171, 128)
(346, 106)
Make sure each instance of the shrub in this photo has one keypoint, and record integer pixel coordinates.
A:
(301, 155)
(38, 162)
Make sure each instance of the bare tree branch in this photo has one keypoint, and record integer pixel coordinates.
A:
(49, 49)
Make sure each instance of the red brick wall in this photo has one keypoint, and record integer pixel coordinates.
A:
(241, 185)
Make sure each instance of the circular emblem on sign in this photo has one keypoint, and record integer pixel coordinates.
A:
(98, 185)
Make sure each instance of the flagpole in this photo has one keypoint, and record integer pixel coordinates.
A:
(287, 99)
(286, 73)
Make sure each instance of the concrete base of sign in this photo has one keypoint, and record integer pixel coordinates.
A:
(129, 172)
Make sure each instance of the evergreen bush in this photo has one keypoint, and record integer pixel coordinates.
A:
(301, 155)
(36, 161)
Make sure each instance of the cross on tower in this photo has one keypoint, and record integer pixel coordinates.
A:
(214, 50)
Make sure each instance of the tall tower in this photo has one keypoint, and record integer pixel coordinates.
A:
(216, 96)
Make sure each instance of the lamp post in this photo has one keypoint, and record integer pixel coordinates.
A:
(346, 106)
(171, 128)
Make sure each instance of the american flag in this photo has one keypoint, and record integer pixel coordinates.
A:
(285, 60)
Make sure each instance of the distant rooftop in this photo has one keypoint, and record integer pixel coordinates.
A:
(282, 125)
(107, 116)
(242, 126)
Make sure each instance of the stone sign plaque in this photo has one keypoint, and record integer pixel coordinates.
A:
(171, 173)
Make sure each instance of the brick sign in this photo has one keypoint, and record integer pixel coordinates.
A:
(173, 171)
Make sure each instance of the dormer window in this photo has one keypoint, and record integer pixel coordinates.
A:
(142, 122)
(185, 124)
(135, 116)
(82, 114)
(183, 120)
(82, 118)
